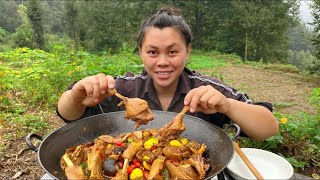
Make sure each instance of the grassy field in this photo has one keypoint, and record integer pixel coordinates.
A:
(31, 82)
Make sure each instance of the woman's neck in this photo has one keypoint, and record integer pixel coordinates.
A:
(165, 94)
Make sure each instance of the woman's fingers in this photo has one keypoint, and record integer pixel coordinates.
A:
(105, 82)
(96, 88)
(205, 99)
(93, 89)
(193, 97)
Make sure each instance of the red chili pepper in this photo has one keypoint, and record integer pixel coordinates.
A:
(129, 170)
(153, 148)
(134, 160)
(137, 163)
(118, 143)
(133, 166)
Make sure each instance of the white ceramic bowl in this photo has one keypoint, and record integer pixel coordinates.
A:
(269, 165)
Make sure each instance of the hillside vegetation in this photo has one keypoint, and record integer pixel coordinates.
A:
(32, 80)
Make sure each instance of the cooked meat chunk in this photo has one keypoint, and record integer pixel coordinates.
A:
(197, 162)
(120, 176)
(156, 167)
(132, 149)
(175, 153)
(137, 110)
(74, 172)
(95, 159)
(172, 129)
(175, 127)
(181, 171)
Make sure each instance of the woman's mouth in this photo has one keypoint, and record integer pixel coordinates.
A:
(163, 74)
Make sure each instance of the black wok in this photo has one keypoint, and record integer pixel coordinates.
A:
(219, 145)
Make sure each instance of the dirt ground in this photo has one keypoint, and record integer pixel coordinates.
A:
(19, 162)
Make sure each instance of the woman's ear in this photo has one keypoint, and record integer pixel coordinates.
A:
(139, 51)
(189, 49)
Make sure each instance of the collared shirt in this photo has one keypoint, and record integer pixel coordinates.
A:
(141, 86)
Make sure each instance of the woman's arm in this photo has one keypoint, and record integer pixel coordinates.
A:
(68, 108)
(256, 121)
(87, 92)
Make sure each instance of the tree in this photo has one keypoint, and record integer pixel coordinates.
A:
(54, 12)
(300, 38)
(9, 18)
(315, 68)
(258, 29)
(71, 22)
(23, 37)
(34, 11)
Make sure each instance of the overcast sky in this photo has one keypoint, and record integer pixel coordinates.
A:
(305, 11)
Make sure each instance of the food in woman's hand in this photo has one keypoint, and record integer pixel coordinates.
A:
(136, 109)
(138, 155)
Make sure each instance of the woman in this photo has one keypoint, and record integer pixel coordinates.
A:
(164, 46)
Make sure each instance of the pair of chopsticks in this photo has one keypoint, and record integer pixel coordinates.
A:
(247, 162)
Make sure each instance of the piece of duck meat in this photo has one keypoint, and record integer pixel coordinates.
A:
(156, 167)
(120, 176)
(107, 138)
(79, 155)
(175, 127)
(72, 171)
(132, 149)
(197, 162)
(95, 159)
(137, 110)
(181, 171)
(175, 153)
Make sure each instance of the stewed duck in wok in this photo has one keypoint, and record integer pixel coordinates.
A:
(137, 155)
(146, 154)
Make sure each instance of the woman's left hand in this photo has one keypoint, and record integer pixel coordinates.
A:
(206, 99)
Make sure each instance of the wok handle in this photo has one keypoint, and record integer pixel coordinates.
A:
(29, 142)
(238, 130)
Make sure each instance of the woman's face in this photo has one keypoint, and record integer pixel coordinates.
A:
(164, 54)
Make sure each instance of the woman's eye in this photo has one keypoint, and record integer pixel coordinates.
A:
(172, 52)
(151, 52)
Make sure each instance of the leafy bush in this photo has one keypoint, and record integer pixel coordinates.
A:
(23, 35)
(301, 59)
(298, 140)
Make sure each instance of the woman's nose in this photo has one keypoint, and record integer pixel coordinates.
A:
(163, 60)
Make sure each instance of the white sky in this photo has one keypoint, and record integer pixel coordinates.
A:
(305, 11)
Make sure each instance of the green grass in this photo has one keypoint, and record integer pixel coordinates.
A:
(280, 105)
(31, 81)
(287, 68)
(209, 61)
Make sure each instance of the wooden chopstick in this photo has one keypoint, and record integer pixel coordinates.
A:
(247, 162)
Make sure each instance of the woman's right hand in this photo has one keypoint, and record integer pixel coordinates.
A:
(92, 90)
